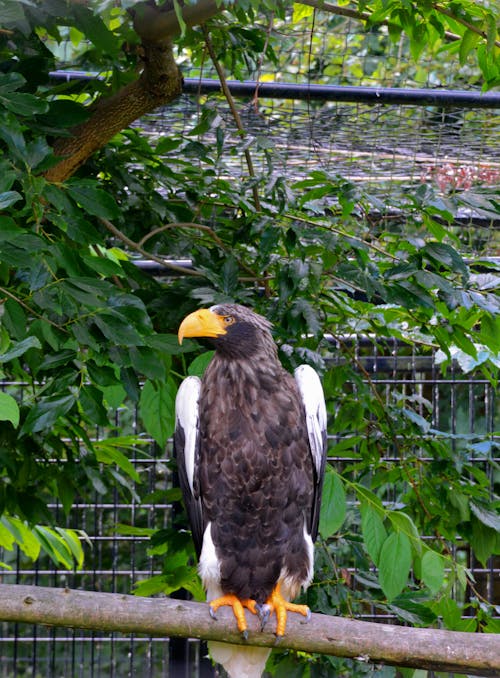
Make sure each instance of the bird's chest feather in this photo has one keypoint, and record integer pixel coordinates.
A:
(254, 451)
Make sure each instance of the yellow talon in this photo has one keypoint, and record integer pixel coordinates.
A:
(281, 607)
(237, 606)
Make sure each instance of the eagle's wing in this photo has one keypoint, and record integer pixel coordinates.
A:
(311, 392)
(186, 451)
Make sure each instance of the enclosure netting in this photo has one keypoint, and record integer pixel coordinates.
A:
(390, 150)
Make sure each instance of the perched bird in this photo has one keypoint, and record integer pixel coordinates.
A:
(250, 442)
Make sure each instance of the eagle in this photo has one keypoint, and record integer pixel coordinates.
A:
(250, 444)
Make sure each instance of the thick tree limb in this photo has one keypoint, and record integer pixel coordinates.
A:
(474, 654)
(159, 83)
(153, 23)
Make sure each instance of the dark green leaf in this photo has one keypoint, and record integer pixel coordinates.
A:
(9, 198)
(44, 414)
(20, 349)
(93, 199)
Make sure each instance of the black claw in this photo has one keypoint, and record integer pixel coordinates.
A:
(308, 617)
(244, 635)
(264, 612)
(278, 639)
(212, 612)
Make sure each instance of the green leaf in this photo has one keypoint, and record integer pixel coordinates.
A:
(23, 535)
(44, 414)
(23, 104)
(486, 516)
(20, 349)
(156, 407)
(147, 362)
(489, 333)
(7, 539)
(367, 496)
(118, 329)
(169, 343)
(199, 364)
(71, 539)
(483, 541)
(55, 546)
(394, 564)
(333, 504)
(64, 113)
(469, 41)
(94, 200)
(96, 31)
(107, 453)
(446, 255)
(403, 523)
(9, 198)
(374, 532)
(180, 18)
(9, 409)
(301, 11)
(432, 570)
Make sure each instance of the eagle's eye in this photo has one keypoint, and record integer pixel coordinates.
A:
(228, 320)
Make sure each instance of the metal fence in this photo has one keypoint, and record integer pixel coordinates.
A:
(461, 404)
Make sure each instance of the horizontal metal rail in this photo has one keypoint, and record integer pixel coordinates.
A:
(342, 93)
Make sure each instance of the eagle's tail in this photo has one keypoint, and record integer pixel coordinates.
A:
(240, 661)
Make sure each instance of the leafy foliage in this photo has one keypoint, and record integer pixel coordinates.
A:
(84, 330)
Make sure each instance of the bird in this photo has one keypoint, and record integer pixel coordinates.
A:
(250, 443)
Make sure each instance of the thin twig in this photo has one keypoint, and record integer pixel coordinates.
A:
(234, 110)
(182, 224)
(362, 16)
(337, 231)
(149, 255)
(30, 310)
(211, 233)
(442, 10)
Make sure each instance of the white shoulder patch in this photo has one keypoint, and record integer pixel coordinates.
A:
(311, 391)
(187, 417)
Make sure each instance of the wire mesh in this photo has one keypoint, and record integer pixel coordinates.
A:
(460, 404)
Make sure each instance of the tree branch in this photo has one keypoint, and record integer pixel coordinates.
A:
(433, 649)
(234, 111)
(159, 83)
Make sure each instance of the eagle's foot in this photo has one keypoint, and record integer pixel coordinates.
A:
(238, 610)
(281, 607)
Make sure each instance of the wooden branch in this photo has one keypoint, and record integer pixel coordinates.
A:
(153, 23)
(432, 649)
(159, 83)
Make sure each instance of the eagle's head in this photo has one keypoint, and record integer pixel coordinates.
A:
(236, 331)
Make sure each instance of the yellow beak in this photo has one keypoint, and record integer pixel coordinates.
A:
(201, 323)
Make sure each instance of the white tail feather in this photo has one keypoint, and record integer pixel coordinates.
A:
(240, 661)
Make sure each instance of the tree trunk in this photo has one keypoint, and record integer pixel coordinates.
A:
(471, 653)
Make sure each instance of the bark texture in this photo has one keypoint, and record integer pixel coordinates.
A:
(434, 649)
(159, 83)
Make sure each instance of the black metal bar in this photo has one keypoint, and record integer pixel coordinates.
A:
(351, 94)
(442, 98)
